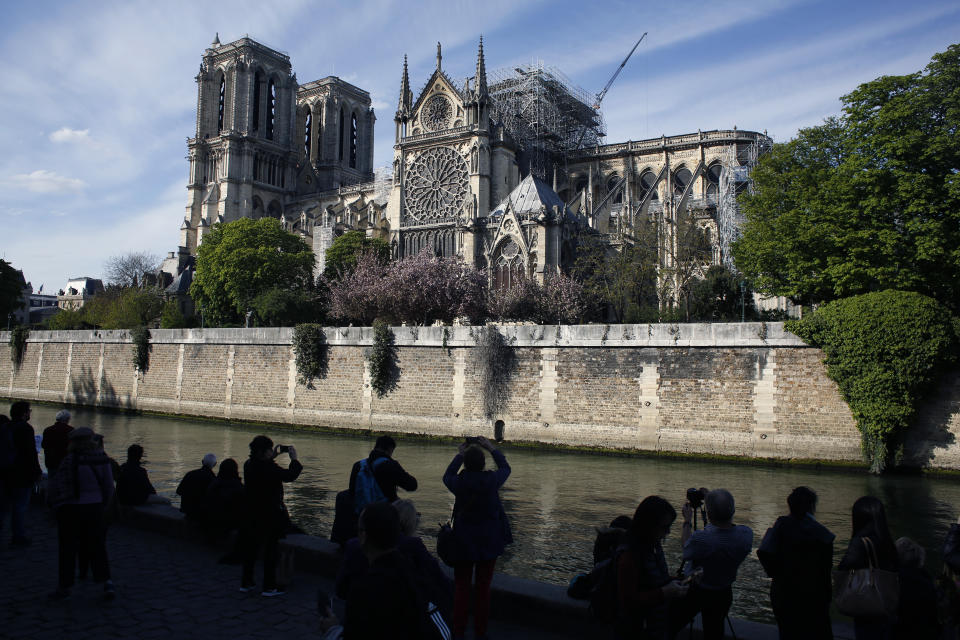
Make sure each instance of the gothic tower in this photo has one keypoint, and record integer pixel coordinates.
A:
(241, 158)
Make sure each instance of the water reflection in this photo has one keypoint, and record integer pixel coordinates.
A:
(554, 499)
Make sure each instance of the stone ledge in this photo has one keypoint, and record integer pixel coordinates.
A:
(528, 602)
(692, 335)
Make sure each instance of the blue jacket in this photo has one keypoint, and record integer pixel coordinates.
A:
(480, 523)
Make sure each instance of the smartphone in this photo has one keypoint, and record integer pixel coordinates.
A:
(283, 448)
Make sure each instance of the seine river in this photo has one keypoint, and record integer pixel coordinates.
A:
(554, 499)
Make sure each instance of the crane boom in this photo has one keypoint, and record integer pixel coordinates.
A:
(600, 96)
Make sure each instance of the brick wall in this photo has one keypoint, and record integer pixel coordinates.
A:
(712, 389)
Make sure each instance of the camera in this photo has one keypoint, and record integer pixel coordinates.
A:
(696, 497)
(283, 448)
(473, 440)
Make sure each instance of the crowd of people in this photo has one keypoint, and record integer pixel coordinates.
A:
(880, 581)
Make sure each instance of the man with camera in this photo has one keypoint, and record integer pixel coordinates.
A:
(711, 558)
(266, 518)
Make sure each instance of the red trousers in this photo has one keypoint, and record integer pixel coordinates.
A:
(463, 576)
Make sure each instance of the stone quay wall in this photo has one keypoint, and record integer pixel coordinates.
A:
(750, 389)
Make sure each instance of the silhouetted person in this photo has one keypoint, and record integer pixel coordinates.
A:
(644, 584)
(266, 518)
(79, 493)
(797, 553)
(387, 471)
(481, 529)
(917, 612)
(55, 440)
(870, 521)
(193, 488)
(133, 485)
(18, 449)
(224, 499)
(384, 602)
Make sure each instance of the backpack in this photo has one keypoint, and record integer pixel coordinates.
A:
(600, 588)
(8, 452)
(366, 489)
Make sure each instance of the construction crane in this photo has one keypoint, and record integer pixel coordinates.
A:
(600, 96)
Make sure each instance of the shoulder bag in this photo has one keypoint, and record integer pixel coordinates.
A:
(870, 592)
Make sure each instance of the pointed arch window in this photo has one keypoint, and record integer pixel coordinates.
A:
(307, 140)
(648, 182)
(713, 182)
(681, 179)
(340, 147)
(507, 265)
(221, 103)
(257, 82)
(611, 185)
(353, 141)
(271, 108)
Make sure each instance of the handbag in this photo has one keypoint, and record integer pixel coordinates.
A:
(869, 592)
(449, 548)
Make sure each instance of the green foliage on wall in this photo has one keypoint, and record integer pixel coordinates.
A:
(18, 345)
(382, 359)
(310, 353)
(141, 348)
(494, 362)
(884, 350)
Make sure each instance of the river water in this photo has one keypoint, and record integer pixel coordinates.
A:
(554, 499)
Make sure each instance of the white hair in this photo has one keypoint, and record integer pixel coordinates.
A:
(62, 416)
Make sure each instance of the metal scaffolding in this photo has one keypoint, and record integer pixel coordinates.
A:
(546, 115)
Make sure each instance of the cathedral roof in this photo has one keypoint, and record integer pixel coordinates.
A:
(181, 284)
(532, 194)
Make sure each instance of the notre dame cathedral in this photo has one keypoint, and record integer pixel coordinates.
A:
(505, 171)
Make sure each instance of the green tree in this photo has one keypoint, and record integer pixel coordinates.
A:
(717, 297)
(341, 257)
(864, 202)
(278, 307)
(171, 317)
(241, 260)
(11, 290)
(123, 308)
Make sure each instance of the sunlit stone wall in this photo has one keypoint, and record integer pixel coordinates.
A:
(747, 389)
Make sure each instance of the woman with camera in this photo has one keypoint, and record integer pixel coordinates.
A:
(480, 526)
(266, 516)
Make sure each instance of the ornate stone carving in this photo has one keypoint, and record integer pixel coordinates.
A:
(436, 184)
(436, 113)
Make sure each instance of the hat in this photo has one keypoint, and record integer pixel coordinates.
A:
(81, 432)
(210, 460)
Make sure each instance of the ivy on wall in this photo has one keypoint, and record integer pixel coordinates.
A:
(140, 336)
(310, 353)
(494, 362)
(18, 345)
(885, 350)
(383, 359)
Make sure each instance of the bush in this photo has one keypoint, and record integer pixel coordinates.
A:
(382, 359)
(171, 317)
(884, 350)
(310, 353)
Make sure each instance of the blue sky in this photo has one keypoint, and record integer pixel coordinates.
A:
(99, 97)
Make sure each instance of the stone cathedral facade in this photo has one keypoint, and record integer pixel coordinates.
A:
(468, 178)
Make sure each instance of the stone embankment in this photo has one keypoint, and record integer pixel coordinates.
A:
(746, 390)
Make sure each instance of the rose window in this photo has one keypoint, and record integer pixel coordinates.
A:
(436, 114)
(436, 184)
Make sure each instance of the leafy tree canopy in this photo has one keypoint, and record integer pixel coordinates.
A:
(864, 202)
(115, 308)
(238, 261)
(11, 290)
(341, 257)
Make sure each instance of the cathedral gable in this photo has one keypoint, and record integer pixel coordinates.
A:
(439, 107)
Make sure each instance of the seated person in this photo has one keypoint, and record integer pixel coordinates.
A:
(133, 485)
(193, 487)
(223, 501)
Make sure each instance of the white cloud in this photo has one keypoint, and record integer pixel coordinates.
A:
(66, 134)
(43, 181)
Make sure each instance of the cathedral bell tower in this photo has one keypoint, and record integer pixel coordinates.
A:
(242, 156)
